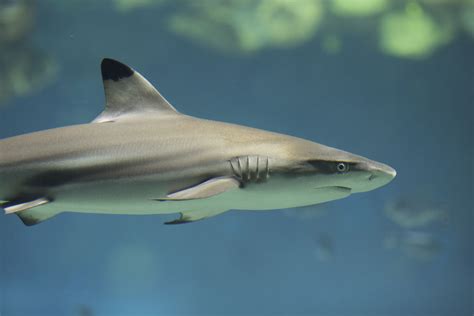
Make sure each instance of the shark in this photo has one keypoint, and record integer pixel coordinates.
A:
(141, 156)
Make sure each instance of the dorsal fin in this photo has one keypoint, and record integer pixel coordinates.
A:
(127, 93)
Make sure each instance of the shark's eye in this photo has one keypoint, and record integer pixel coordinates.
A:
(342, 167)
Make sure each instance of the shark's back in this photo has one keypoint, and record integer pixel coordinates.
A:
(139, 136)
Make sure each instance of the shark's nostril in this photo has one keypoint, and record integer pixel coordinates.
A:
(372, 177)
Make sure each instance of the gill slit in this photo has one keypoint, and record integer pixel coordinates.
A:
(257, 176)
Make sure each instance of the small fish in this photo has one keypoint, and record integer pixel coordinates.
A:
(141, 156)
(85, 310)
(413, 212)
(324, 247)
(416, 244)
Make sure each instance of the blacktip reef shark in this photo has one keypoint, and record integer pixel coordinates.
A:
(141, 156)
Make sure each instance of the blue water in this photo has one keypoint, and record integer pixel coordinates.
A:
(415, 115)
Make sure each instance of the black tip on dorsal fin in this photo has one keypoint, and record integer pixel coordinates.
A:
(128, 94)
(114, 70)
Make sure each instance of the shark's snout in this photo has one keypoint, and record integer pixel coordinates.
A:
(379, 174)
(380, 170)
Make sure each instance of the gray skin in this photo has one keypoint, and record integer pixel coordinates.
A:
(141, 156)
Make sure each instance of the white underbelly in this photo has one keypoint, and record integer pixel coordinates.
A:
(140, 198)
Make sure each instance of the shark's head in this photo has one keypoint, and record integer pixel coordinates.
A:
(333, 167)
(314, 173)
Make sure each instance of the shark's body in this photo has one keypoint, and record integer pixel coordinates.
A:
(141, 156)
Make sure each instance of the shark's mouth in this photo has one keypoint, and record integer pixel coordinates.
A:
(330, 193)
(336, 188)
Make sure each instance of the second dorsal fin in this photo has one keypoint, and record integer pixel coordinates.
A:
(127, 93)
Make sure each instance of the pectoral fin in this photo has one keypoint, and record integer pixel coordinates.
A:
(22, 205)
(188, 217)
(30, 211)
(204, 190)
